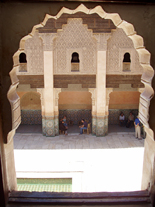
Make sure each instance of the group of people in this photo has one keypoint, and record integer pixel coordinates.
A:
(131, 121)
(63, 126)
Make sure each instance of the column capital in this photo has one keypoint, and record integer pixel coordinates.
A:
(56, 95)
(93, 95)
(102, 41)
(47, 41)
(108, 91)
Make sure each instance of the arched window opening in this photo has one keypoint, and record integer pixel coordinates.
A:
(23, 62)
(126, 62)
(126, 57)
(75, 62)
(75, 58)
(22, 58)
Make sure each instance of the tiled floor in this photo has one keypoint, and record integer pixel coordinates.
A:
(110, 163)
(74, 141)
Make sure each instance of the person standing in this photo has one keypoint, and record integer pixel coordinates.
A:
(137, 128)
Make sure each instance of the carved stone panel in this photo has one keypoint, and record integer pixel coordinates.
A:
(75, 37)
(34, 55)
(117, 46)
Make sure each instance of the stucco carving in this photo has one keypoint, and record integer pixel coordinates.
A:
(102, 41)
(41, 92)
(108, 91)
(56, 95)
(75, 37)
(93, 95)
(34, 55)
(47, 40)
(117, 46)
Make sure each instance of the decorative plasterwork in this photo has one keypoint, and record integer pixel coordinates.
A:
(108, 91)
(102, 41)
(41, 92)
(75, 37)
(56, 95)
(117, 46)
(34, 56)
(47, 40)
(93, 95)
(144, 59)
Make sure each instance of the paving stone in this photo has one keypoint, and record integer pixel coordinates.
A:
(84, 141)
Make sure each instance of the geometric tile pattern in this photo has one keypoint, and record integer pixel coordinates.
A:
(48, 126)
(56, 126)
(31, 116)
(102, 126)
(43, 127)
(94, 125)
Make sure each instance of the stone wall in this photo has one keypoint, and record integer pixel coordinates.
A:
(124, 100)
(75, 100)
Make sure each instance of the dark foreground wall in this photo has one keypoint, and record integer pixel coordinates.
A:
(17, 19)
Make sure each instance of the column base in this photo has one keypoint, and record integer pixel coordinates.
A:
(94, 125)
(101, 126)
(48, 127)
(56, 125)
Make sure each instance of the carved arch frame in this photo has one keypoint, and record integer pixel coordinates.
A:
(144, 59)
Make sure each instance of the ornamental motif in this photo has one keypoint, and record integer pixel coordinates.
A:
(75, 37)
(34, 55)
(117, 46)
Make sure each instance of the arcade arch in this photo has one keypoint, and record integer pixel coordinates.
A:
(76, 105)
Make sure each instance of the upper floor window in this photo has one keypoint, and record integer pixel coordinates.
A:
(75, 58)
(22, 58)
(23, 62)
(126, 62)
(75, 62)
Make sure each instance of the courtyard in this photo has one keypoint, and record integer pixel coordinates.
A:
(95, 164)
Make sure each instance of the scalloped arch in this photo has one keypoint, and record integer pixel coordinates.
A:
(144, 58)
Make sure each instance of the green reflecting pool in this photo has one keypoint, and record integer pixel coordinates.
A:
(45, 184)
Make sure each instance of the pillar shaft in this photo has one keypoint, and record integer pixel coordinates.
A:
(49, 129)
(101, 117)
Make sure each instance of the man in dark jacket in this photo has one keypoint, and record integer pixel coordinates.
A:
(83, 126)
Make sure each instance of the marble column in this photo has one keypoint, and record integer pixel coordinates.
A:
(56, 110)
(101, 116)
(49, 124)
(41, 91)
(108, 91)
(93, 96)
